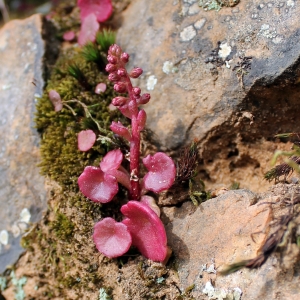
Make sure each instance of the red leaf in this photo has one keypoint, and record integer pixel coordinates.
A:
(86, 139)
(102, 9)
(147, 231)
(112, 160)
(111, 238)
(161, 173)
(88, 30)
(97, 186)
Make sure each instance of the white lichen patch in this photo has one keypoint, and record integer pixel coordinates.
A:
(278, 39)
(267, 32)
(15, 230)
(188, 33)
(216, 293)
(211, 269)
(168, 67)
(290, 3)
(25, 215)
(200, 23)
(4, 237)
(224, 51)
(151, 82)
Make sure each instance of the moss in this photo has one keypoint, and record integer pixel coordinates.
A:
(63, 227)
(64, 239)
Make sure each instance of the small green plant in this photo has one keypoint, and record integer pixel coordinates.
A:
(105, 38)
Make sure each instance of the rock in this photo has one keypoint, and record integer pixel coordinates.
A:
(222, 231)
(228, 78)
(22, 192)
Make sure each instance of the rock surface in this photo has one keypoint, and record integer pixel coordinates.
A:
(22, 192)
(221, 231)
(228, 78)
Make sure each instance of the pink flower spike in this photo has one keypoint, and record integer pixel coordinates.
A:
(86, 140)
(69, 36)
(102, 9)
(120, 129)
(147, 230)
(100, 88)
(97, 186)
(161, 173)
(111, 238)
(88, 30)
(55, 98)
(112, 160)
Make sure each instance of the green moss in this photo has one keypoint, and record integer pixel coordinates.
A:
(63, 227)
(69, 211)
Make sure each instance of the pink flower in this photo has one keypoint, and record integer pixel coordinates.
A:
(88, 30)
(86, 140)
(146, 229)
(102, 9)
(111, 238)
(161, 173)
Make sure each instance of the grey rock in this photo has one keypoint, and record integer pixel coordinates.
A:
(22, 191)
(214, 84)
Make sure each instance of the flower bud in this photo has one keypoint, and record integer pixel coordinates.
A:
(120, 129)
(112, 59)
(132, 107)
(114, 76)
(135, 72)
(115, 50)
(119, 101)
(125, 111)
(110, 68)
(141, 119)
(121, 72)
(120, 87)
(144, 99)
(125, 57)
(136, 91)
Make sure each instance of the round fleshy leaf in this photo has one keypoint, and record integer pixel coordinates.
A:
(97, 186)
(100, 88)
(86, 139)
(151, 203)
(112, 160)
(146, 229)
(161, 173)
(111, 238)
(89, 28)
(69, 36)
(102, 9)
